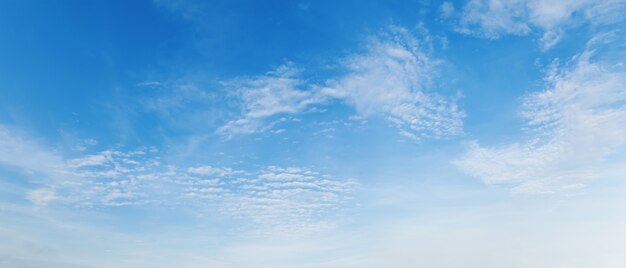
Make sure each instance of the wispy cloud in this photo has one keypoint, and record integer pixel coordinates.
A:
(391, 77)
(277, 92)
(20, 151)
(574, 126)
(494, 18)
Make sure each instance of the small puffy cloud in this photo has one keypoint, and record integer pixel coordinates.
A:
(41, 197)
(90, 160)
(212, 171)
(574, 127)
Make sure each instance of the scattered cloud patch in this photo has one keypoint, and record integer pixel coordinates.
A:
(495, 18)
(91, 160)
(393, 78)
(574, 126)
(289, 199)
(285, 199)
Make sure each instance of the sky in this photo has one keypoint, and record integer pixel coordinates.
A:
(186, 133)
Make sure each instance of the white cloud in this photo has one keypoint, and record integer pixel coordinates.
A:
(575, 125)
(494, 18)
(392, 78)
(278, 92)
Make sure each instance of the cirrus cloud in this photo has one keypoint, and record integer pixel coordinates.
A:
(574, 126)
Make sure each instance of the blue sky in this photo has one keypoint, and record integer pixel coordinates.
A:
(175, 133)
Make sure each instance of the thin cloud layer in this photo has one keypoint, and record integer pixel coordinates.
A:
(575, 125)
